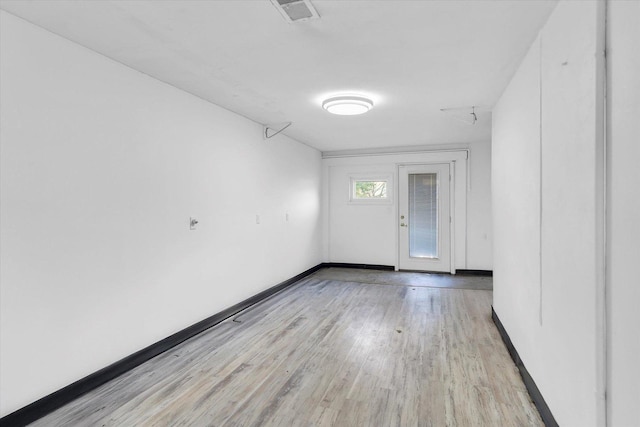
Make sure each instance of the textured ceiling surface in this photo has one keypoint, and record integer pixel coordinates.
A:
(413, 58)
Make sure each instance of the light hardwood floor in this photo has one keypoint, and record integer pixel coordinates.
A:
(327, 353)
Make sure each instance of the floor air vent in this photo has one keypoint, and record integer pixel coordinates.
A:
(296, 10)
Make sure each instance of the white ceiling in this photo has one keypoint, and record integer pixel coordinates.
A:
(412, 57)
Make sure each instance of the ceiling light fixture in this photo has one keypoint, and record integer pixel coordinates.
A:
(347, 105)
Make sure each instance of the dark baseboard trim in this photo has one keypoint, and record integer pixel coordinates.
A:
(532, 388)
(57, 399)
(360, 266)
(475, 272)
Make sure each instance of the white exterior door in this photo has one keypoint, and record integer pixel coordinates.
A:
(424, 218)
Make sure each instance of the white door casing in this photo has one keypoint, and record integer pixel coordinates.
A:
(424, 217)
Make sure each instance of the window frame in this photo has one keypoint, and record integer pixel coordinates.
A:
(379, 177)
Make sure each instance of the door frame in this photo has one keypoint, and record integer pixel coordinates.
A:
(452, 215)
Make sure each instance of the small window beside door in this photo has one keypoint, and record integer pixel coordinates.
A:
(370, 189)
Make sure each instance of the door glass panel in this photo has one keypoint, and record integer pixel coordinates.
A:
(423, 215)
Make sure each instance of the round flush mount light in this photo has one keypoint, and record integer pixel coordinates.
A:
(347, 105)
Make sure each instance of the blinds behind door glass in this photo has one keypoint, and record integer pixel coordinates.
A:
(423, 215)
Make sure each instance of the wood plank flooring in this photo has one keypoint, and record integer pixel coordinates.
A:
(327, 353)
(406, 278)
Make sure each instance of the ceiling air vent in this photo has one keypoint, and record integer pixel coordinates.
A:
(296, 10)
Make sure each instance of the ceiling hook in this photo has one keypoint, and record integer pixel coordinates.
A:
(463, 113)
(274, 128)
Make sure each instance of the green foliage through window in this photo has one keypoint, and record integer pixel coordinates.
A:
(371, 189)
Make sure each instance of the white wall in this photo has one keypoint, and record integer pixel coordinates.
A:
(516, 203)
(102, 167)
(361, 234)
(547, 205)
(623, 207)
(367, 234)
(479, 239)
